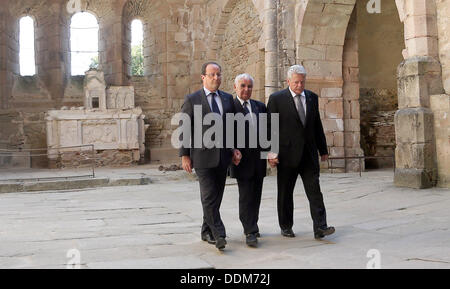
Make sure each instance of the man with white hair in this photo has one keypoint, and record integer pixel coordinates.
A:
(251, 170)
(301, 138)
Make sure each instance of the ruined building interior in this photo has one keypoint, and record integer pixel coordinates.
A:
(383, 78)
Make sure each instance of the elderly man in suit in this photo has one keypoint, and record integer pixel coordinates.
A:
(251, 170)
(210, 163)
(301, 137)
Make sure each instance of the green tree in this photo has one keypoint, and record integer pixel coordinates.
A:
(137, 60)
(94, 62)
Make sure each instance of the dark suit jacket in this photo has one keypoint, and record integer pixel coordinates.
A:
(204, 158)
(251, 164)
(294, 138)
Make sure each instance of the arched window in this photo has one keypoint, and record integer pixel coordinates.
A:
(26, 42)
(83, 42)
(137, 48)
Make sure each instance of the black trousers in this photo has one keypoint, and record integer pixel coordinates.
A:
(250, 191)
(212, 184)
(286, 179)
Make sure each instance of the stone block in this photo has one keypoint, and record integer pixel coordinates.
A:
(422, 46)
(352, 139)
(351, 90)
(334, 52)
(420, 7)
(418, 156)
(352, 125)
(334, 109)
(338, 139)
(414, 178)
(440, 102)
(337, 152)
(312, 52)
(420, 26)
(413, 125)
(333, 92)
(333, 125)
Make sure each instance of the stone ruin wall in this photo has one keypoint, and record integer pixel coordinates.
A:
(180, 35)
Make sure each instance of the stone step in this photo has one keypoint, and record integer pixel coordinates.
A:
(71, 184)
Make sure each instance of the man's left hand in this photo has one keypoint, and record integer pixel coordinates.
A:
(324, 158)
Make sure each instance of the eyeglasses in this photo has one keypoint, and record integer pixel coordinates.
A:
(219, 75)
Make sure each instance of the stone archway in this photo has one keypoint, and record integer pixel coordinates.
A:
(320, 48)
(238, 47)
(320, 44)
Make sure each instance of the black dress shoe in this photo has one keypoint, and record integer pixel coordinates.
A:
(220, 243)
(288, 233)
(251, 240)
(322, 232)
(208, 238)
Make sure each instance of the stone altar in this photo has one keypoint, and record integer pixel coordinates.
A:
(109, 121)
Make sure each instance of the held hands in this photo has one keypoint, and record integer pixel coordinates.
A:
(272, 158)
(237, 156)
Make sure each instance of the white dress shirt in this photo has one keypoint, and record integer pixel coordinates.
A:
(302, 99)
(217, 98)
(249, 106)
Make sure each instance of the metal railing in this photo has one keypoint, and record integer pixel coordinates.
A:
(33, 153)
(360, 158)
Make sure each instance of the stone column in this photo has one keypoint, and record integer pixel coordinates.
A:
(351, 114)
(419, 77)
(271, 47)
(111, 31)
(440, 105)
(3, 53)
(52, 50)
(9, 55)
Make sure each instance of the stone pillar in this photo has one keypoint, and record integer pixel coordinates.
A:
(419, 77)
(52, 50)
(351, 115)
(271, 47)
(9, 54)
(440, 106)
(196, 26)
(111, 47)
(3, 53)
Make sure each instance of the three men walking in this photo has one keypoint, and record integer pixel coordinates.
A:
(301, 138)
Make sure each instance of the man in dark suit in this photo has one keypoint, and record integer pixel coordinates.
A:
(251, 170)
(301, 137)
(210, 162)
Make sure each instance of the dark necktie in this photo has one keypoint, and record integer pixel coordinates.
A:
(215, 107)
(246, 111)
(300, 109)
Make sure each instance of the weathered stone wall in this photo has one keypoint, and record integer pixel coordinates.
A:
(381, 42)
(350, 137)
(350, 60)
(443, 24)
(4, 83)
(24, 130)
(99, 158)
(440, 105)
(377, 125)
(324, 29)
(239, 49)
